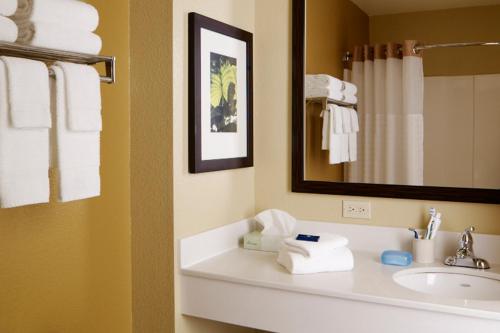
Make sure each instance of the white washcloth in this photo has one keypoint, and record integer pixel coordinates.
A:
(28, 93)
(8, 30)
(314, 92)
(54, 36)
(325, 245)
(353, 136)
(325, 130)
(275, 222)
(24, 158)
(67, 14)
(335, 134)
(83, 96)
(338, 260)
(324, 81)
(8, 7)
(350, 89)
(76, 153)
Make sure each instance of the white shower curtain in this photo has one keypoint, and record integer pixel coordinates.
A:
(390, 109)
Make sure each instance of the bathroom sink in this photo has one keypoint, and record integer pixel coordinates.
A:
(458, 283)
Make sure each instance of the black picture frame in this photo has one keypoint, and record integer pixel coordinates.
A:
(301, 185)
(196, 163)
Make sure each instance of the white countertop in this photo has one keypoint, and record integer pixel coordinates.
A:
(369, 281)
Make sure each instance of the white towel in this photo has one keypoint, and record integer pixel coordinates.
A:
(83, 96)
(353, 136)
(24, 158)
(8, 7)
(324, 92)
(340, 259)
(350, 89)
(275, 222)
(335, 137)
(351, 99)
(324, 81)
(28, 92)
(325, 130)
(8, 30)
(76, 153)
(68, 14)
(54, 36)
(326, 244)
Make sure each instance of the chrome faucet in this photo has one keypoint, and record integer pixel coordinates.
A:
(465, 253)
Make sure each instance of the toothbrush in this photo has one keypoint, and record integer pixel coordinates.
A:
(432, 213)
(437, 223)
(415, 232)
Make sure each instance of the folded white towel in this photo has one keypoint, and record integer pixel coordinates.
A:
(350, 89)
(8, 30)
(8, 7)
(57, 37)
(335, 135)
(324, 92)
(28, 91)
(326, 244)
(76, 153)
(325, 130)
(68, 14)
(275, 222)
(83, 96)
(324, 81)
(351, 99)
(24, 158)
(340, 259)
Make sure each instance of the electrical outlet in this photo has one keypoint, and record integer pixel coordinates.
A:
(356, 209)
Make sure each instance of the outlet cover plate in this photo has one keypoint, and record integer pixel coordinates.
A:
(356, 209)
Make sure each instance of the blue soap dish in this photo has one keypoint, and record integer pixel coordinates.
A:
(397, 258)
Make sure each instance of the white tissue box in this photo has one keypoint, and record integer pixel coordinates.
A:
(257, 241)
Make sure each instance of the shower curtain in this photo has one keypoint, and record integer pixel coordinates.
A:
(390, 110)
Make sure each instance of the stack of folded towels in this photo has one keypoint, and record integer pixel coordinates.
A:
(8, 29)
(322, 85)
(58, 24)
(328, 254)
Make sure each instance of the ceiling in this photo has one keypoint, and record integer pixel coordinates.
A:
(382, 7)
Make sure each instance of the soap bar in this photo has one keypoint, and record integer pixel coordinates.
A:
(395, 257)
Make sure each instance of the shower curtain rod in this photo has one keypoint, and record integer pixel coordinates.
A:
(420, 47)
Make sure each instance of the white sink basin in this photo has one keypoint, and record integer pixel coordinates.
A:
(461, 283)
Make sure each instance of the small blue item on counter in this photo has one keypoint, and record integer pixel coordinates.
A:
(307, 238)
(395, 257)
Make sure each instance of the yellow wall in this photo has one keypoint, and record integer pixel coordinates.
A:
(204, 201)
(66, 267)
(327, 40)
(151, 166)
(446, 26)
(273, 140)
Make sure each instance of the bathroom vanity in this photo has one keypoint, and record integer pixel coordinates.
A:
(222, 281)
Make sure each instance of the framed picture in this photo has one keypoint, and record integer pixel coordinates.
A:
(220, 96)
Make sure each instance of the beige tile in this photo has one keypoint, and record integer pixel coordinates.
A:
(448, 131)
(487, 131)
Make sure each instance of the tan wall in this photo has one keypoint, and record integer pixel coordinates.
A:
(273, 141)
(65, 267)
(326, 41)
(446, 26)
(204, 201)
(151, 166)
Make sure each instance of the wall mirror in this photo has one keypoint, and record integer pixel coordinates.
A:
(397, 99)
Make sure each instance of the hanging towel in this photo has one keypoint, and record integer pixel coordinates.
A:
(324, 81)
(24, 157)
(76, 153)
(325, 131)
(68, 14)
(338, 260)
(83, 96)
(275, 222)
(28, 91)
(326, 244)
(336, 132)
(54, 36)
(347, 130)
(8, 30)
(353, 136)
(8, 7)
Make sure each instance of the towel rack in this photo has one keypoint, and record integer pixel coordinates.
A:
(49, 55)
(325, 101)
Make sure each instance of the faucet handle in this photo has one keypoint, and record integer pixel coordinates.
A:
(470, 229)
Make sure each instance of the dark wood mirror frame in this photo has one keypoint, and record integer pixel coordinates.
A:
(299, 184)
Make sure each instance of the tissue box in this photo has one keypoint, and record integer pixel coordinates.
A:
(256, 241)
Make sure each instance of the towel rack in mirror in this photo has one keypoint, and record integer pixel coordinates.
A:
(325, 101)
(44, 54)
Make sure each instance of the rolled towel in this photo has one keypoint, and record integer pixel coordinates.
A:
(275, 222)
(73, 14)
(337, 260)
(8, 30)
(56, 37)
(29, 98)
(350, 88)
(324, 81)
(8, 7)
(326, 244)
(324, 93)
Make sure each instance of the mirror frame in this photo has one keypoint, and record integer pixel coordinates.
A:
(299, 184)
